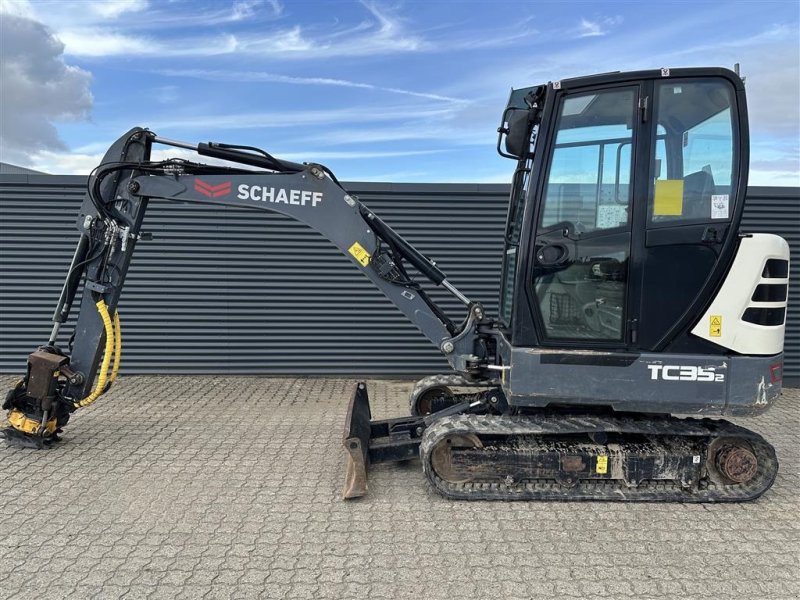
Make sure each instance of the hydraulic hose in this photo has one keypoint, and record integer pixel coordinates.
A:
(72, 281)
(117, 350)
(102, 377)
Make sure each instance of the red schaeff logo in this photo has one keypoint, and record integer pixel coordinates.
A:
(212, 191)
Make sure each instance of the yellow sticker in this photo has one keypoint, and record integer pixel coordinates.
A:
(715, 326)
(669, 198)
(602, 464)
(361, 255)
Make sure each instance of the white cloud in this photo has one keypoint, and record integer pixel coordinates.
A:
(316, 155)
(383, 34)
(100, 28)
(64, 163)
(165, 94)
(17, 8)
(64, 13)
(277, 7)
(244, 9)
(38, 88)
(82, 163)
(597, 27)
(454, 134)
(771, 177)
(98, 43)
(112, 9)
(218, 13)
(96, 29)
(262, 76)
(775, 161)
(289, 119)
(85, 42)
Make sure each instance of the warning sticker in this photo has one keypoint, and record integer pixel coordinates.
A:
(360, 254)
(602, 464)
(715, 326)
(719, 206)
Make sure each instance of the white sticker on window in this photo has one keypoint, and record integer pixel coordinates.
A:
(719, 206)
(611, 215)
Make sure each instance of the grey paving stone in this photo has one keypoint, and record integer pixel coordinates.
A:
(228, 487)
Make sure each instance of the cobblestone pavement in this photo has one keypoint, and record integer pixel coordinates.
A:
(228, 487)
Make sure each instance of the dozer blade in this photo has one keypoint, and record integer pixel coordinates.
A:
(356, 443)
(368, 442)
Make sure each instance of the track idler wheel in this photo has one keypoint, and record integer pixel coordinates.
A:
(435, 392)
(441, 457)
(432, 400)
(736, 463)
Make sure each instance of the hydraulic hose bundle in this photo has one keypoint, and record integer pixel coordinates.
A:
(113, 349)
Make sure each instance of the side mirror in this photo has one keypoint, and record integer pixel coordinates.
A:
(518, 133)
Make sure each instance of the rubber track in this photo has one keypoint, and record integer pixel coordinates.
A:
(606, 490)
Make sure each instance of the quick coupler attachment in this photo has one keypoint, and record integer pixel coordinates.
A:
(26, 425)
(35, 414)
(368, 442)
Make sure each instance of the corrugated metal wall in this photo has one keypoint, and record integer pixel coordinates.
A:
(222, 290)
(231, 291)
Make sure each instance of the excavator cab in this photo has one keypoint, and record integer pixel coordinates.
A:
(660, 157)
(622, 227)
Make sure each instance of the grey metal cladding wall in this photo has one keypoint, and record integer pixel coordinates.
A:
(233, 291)
(229, 291)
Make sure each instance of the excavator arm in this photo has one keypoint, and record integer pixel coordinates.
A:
(58, 382)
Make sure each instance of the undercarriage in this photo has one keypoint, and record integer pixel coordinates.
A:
(476, 447)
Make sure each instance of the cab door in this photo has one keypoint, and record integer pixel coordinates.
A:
(582, 243)
(691, 207)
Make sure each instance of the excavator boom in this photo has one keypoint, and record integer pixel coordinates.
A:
(110, 224)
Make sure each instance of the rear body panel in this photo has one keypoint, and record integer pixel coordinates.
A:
(642, 382)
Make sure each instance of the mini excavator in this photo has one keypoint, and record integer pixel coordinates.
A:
(629, 295)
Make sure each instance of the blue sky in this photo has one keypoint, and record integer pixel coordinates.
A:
(387, 91)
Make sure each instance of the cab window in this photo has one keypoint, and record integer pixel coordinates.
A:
(589, 183)
(695, 154)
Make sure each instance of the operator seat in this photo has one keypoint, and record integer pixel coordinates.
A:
(697, 190)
